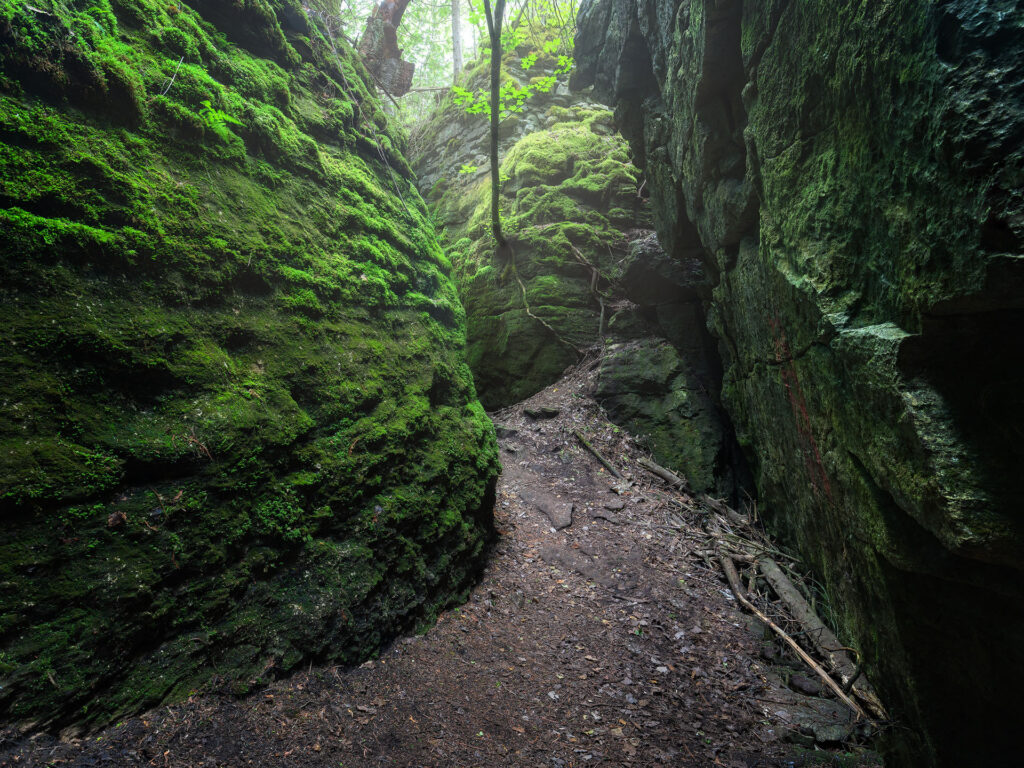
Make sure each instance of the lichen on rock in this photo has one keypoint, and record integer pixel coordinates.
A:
(238, 428)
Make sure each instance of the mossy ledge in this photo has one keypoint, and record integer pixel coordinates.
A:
(238, 430)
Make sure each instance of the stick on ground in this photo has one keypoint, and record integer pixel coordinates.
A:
(729, 568)
(823, 638)
(597, 454)
(731, 514)
(667, 475)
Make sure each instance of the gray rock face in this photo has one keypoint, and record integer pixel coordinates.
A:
(660, 374)
(849, 176)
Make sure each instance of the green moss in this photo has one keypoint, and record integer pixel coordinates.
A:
(227, 346)
(569, 187)
(858, 234)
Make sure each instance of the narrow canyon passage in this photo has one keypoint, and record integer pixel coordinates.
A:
(346, 347)
(598, 635)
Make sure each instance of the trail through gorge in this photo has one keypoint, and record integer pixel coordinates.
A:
(601, 634)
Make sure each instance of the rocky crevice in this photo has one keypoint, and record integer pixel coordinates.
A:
(854, 197)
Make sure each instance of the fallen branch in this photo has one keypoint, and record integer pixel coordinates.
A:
(729, 568)
(627, 599)
(748, 559)
(656, 469)
(731, 514)
(823, 638)
(756, 548)
(598, 456)
(377, 81)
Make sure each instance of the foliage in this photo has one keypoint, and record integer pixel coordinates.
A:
(544, 28)
(512, 96)
(216, 118)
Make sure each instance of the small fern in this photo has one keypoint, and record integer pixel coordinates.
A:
(216, 118)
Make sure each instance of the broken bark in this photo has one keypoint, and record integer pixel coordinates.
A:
(379, 48)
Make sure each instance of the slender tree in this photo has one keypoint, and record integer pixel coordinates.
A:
(456, 41)
(494, 21)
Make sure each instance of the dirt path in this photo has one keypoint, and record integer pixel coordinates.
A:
(594, 638)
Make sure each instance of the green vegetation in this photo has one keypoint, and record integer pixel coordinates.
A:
(232, 375)
(568, 193)
(512, 96)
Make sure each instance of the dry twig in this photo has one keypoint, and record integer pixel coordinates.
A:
(821, 636)
(667, 475)
(729, 568)
(597, 454)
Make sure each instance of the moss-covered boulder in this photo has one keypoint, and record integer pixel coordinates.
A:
(569, 195)
(850, 177)
(237, 429)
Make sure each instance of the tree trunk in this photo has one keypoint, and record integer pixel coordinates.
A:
(399, 11)
(380, 51)
(456, 40)
(494, 31)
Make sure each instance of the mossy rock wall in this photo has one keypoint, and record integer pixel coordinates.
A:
(851, 175)
(574, 208)
(659, 372)
(238, 430)
(568, 196)
(569, 193)
(449, 148)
